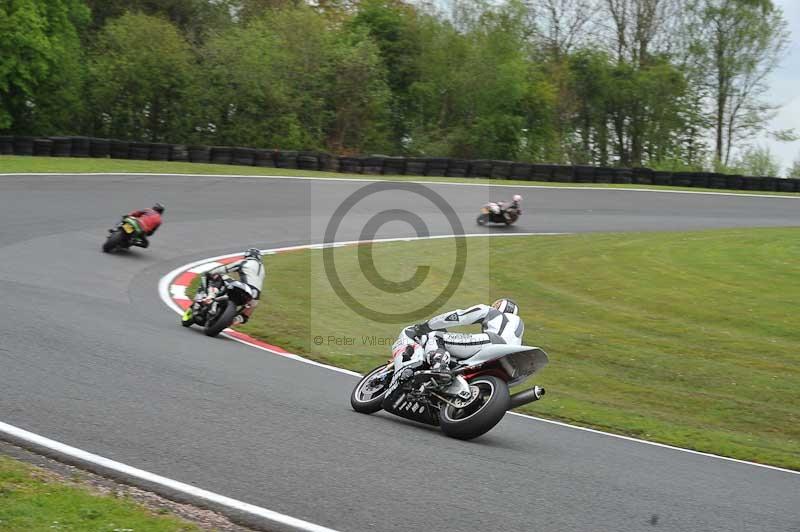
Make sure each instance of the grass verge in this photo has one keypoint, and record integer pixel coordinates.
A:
(32, 499)
(20, 164)
(688, 339)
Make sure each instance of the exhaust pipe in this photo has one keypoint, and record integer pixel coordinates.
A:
(526, 396)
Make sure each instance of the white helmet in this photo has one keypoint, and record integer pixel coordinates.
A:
(517, 198)
(506, 306)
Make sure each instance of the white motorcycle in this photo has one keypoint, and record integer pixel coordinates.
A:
(465, 400)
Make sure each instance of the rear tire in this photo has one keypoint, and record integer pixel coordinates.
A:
(113, 242)
(374, 401)
(480, 416)
(222, 321)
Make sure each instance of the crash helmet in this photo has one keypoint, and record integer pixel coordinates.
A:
(159, 208)
(252, 253)
(517, 198)
(506, 306)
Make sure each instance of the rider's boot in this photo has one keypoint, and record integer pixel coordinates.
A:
(438, 360)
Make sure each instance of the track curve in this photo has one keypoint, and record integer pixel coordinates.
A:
(90, 356)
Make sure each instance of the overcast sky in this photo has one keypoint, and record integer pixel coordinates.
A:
(785, 89)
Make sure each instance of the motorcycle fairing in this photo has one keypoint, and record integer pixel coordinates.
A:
(519, 361)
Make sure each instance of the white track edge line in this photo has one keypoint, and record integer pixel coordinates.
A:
(165, 281)
(162, 481)
(656, 444)
(418, 182)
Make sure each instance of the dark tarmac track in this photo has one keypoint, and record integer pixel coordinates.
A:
(91, 357)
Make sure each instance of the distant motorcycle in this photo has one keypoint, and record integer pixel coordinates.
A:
(494, 212)
(465, 401)
(124, 235)
(215, 309)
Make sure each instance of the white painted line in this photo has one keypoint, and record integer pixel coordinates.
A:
(766, 194)
(655, 444)
(164, 284)
(203, 268)
(161, 481)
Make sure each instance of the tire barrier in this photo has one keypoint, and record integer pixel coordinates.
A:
(75, 146)
(119, 149)
(23, 145)
(139, 151)
(80, 146)
(372, 165)
(286, 159)
(265, 158)
(199, 154)
(179, 153)
(159, 152)
(221, 155)
(480, 168)
(307, 160)
(437, 166)
(458, 168)
(501, 170)
(6, 145)
(43, 147)
(99, 148)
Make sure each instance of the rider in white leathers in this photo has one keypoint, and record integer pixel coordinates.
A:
(251, 279)
(500, 324)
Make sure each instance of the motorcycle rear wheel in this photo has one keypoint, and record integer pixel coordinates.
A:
(479, 416)
(114, 241)
(373, 403)
(221, 321)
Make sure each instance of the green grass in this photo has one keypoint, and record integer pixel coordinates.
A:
(33, 500)
(689, 339)
(21, 164)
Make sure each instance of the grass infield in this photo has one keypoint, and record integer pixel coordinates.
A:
(32, 499)
(20, 164)
(688, 339)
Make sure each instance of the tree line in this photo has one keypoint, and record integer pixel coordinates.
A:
(669, 84)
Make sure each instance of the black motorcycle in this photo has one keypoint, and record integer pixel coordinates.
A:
(125, 234)
(216, 309)
(494, 213)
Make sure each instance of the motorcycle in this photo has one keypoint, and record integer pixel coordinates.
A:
(124, 235)
(494, 213)
(215, 309)
(465, 401)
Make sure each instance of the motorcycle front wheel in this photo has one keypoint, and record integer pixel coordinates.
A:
(490, 401)
(222, 320)
(367, 396)
(483, 219)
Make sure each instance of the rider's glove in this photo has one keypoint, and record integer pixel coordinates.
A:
(421, 329)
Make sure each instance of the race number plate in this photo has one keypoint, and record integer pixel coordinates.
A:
(128, 228)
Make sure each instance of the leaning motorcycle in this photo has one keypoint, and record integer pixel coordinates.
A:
(465, 401)
(124, 235)
(216, 309)
(493, 213)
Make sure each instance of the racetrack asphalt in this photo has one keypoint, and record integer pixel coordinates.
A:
(90, 356)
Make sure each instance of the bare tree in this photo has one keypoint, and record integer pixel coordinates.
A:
(738, 43)
(565, 24)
